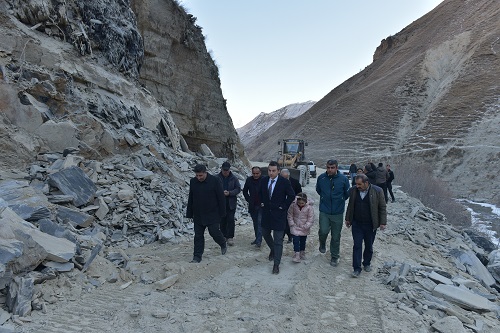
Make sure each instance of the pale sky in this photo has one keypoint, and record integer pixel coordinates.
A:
(272, 53)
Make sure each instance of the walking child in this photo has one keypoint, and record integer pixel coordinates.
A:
(300, 220)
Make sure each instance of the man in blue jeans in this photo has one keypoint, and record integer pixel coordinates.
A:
(333, 189)
(366, 212)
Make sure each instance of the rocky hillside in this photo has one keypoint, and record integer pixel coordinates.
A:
(263, 121)
(431, 94)
(99, 75)
(103, 114)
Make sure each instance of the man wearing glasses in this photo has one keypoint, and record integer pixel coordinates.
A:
(333, 189)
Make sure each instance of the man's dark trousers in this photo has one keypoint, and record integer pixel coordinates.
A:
(275, 243)
(389, 188)
(227, 224)
(383, 186)
(199, 237)
(362, 232)
(256, 215)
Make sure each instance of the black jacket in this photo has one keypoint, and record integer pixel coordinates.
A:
(206, 201)
(251, 193)
(391, 176)
(233, 187)
(275, 209)
(295, 185)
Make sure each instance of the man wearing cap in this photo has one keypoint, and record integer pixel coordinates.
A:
(231, 187)
(206, 206)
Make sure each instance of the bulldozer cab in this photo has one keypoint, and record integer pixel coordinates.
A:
(292, 157)
(293, 147)
(292, 152)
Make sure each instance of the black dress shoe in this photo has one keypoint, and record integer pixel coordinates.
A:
(254, 242)
(276, 269)
(223, 249)
(195, 260)
(271, 256)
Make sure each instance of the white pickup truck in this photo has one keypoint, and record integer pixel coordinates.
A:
(312, 169)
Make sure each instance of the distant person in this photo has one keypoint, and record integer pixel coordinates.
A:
(370, 173)
(366, 212)
(352, 171)
(251, 193)
(206, 206)
(381, 177)
(276, 195)
(232, 188)
(332, 187)
(300, 220)
(389, 181)
(285, 173)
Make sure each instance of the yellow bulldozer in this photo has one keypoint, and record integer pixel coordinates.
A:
(292, 157)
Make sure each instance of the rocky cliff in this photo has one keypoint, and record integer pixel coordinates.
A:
(92, 155)
(431, 95)
(183, 77)
(101, 77)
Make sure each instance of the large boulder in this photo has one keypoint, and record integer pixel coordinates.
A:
(73, 181)
(474, 266)
(464, 298)
(25, 200)
(23, 247)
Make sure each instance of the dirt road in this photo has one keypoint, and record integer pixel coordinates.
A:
(231, 293)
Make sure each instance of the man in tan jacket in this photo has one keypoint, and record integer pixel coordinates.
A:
(366, 212)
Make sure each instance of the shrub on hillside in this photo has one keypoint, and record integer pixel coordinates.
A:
(418, 181)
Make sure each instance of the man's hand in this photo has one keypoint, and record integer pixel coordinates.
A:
(382, 227)
(226, 193)
(348, 223)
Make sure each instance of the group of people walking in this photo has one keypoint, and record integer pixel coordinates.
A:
(279, 208)
(377, 175)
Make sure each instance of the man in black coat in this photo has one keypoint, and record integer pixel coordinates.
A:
(206, 206)
(276, 195)
(251, 193)
(231, 186)
(285, 173)
(389, 181)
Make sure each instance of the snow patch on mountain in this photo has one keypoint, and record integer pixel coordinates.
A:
(263, 121)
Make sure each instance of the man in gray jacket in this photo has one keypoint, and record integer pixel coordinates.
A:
(232, 188)
(366, 212)
(381, 176)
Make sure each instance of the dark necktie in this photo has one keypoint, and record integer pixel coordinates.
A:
(271, 188)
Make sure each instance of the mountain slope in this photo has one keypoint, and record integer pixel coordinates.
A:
(263, 121)
(431, 95)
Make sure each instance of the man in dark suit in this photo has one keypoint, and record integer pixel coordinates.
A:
(276, 195)
(285, 173)
(206, 206)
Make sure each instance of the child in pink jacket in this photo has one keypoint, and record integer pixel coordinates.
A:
(300, 220)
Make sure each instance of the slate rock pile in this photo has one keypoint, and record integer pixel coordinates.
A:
(64, 210)
(461, 296)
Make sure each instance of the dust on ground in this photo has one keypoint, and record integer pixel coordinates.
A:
(235, 292)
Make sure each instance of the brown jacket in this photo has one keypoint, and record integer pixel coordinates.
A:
(378, 207)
